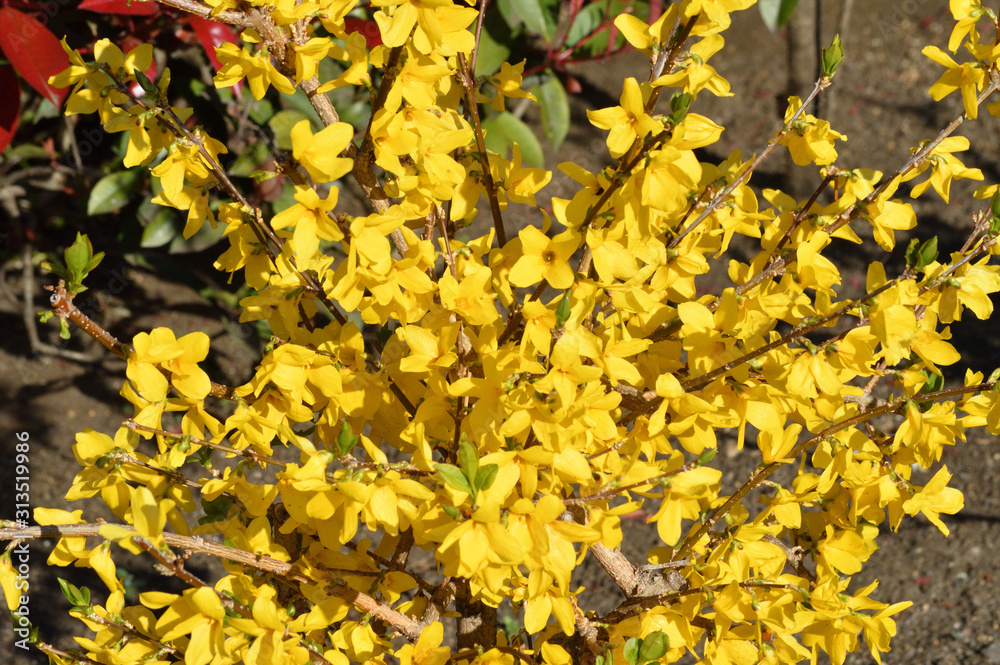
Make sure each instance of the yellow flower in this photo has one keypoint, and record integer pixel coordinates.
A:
(508, 84)
(628, 122)
(934, 498)
(809, 139)
(944, 166)
(320, 153)
(471, 298)
(967, 77)
(158, 354)
(256, 68)
(545, 258)
(311, 217)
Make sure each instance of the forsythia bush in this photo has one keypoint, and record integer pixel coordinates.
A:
(527, 388)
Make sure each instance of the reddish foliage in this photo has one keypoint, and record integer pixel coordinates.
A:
(33, 51)
(133, 8)
(10, 105)
(212, 34)
(368, 29)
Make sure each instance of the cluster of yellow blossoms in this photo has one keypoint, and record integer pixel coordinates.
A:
(525, 393)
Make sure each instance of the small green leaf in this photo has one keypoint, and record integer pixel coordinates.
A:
(78, 256)
(563, 310)
(631, 650)
(468, 460)
(452, 512)
(913, 253)
(533, 16)
(112, 192)
(832, 57)
(776, 13)
(485, 477)
(554, 106)
(679, 105)
(454, 477)
(929, 252)
(504, 130)
(995, 204)
(346, 439)
(145, 83)
(707, 456)
(78, 597)
(56, 269)
(64, 329)
(160, 229)
(263, 176)
(654, 646)
(69, 590)
(587, 20)
(935, 382)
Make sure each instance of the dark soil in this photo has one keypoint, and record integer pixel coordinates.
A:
(879, 101)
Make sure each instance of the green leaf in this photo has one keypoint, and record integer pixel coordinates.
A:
(929, 252)
(55, 269)
(145, 83)
(161, 228)
(346, 439)
(563, 310)
(935, 382)
(776, 13)
(468, 460)
(112, 192)
(78, 256)
(654, 646)
(504, 130)
(454, 477)
(631, 651)
(485, 477)
(281, 124)
(261, 111)
(832, 57)
(494, 44)
(554, 106)
(532, 14)
(586, 21)
(679, 105)
(248, 161)
(79, 597)
(69, 590)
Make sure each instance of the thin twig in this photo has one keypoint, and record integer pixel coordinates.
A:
(468, 84)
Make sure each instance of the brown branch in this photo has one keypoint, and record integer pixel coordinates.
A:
(852, 213)
(465, 78)
(229, 16)
(766, 470)
(65, 309)
(820, 85)
(261, 562)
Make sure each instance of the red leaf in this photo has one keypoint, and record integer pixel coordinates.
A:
(33, 51)
(212, 34)
(136, 8)
(10, 105)
(368, 29)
